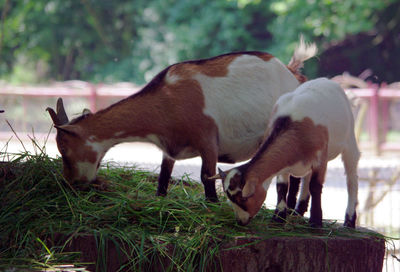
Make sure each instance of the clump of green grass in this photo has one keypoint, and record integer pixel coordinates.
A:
(40, 214)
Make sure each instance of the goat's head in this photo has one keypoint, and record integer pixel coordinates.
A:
(246, 194)
(80, 158)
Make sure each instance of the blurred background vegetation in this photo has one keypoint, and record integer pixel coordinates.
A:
(109, 41)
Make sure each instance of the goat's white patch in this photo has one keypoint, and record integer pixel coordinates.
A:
(241, 103)
(228, 178)
(240, 214)
(326, 104)
(299, 169)
(282, 179)
(305, 188)
(86, 171)
(154, 139)
(97, 147)
(234, 192)
(281, 206)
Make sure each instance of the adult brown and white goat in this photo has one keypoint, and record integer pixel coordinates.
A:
(214, 108)
(308, 127)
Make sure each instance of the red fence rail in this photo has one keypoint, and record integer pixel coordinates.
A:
(73, 88)
(376, 96)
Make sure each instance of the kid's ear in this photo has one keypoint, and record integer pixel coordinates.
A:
(249, 188)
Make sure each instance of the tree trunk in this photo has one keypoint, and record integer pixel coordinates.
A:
(277, 254)
(283, 254)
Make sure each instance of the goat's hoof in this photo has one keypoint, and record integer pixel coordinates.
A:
(161, 194)
(315, 225)
(299, 213)
(279, 217)
(213, 199)
(349, 225)
(294, 213)
(278, 220)
(350, 222)
(161, 191)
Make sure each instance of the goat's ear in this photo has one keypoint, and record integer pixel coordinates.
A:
(249, 188)
(53, 116)
(69, 129)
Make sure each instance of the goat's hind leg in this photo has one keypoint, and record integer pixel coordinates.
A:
(316, 183)
(304, 197)
(294, 184)
(350, 157)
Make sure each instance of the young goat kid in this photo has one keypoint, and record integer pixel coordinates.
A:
(214, 108)
(308, 127)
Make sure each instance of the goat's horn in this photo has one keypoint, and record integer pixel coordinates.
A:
(217, 176)
(61, 114)
(221, 175)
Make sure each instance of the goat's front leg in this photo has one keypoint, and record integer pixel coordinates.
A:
(165, 174)
(316, 183)
(282, 189)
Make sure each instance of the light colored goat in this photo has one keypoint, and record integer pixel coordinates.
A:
(214, 108)
(308, 127)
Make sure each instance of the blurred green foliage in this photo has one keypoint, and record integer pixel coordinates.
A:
(106, 41)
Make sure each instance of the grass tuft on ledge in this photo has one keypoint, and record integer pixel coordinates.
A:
(41, 214)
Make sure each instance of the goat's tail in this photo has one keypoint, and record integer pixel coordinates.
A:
(303, 52)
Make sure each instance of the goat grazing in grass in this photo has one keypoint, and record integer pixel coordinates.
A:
(308, 127)
(216, 108)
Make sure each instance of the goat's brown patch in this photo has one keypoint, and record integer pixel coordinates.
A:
(164, 115)
(213, 67)
(299, 76)
(290, 142)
